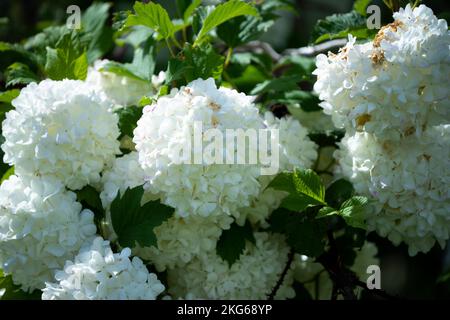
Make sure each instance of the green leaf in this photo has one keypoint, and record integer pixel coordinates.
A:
(195, 62)
(67, 60)
(326, 212)
(20, 53)
(352, 211)
(284, 83)
(49, 37)
(205, 62)
(394, 5)
(96, 33)
(353, 238)
(176, 70)
(153, 16)
(232, 242)
(339, 191)
(143, 65)
(338, 26)
(134, 223)
(190, 10)
(443, 278)
(144, 101)
(241, 29)
(305, 234)
(244, 59)
(80, 67)
(19, 73)
(122, 69)
(328, 138)
(128, 118)
(8, 96)
(89, 197)
(7, 174)
(297, 65)
(360, 6)
(304, 186)
(247, 80)
(306, 100)
(222, 13)
(13, 292)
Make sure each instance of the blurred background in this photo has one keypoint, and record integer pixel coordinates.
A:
(412, 278)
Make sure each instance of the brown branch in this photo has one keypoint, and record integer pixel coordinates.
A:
(376, 292)
(309, 51)
(282, 276)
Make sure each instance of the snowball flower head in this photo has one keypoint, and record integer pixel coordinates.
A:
(407, 182)
(99, 274)
(60, 129)
(124, 173)
(253, 276)
(393, 85)
(295, 150)
(118, 90)
(179, 239)
(41, 226)
(166, 137)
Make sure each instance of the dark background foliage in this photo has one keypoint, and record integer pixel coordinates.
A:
(403, 276)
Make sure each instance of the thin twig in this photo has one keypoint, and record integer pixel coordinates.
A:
(377, 292)
(314, 50)
(282, 276)
(309, 51)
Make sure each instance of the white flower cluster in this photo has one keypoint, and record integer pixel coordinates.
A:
(62, 135)
(168, 125)
(186, 235)
(60, 129)
(409, 183)
(392, 96)
(117, 90)
(99, 274)
(295, 150)
(394, 85)
(41, 226)
(179, 239)
(253, 276)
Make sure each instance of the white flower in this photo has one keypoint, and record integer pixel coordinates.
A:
(99, 274)
(178, 239)
(167, 127)
(253, 276)
(60, 129)
(408, 183)
(296, 150)
(394, 85)
(117, 90)
(124, 173)
(40, 228)
(306, 271)
(158, 80)
(263, 205)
